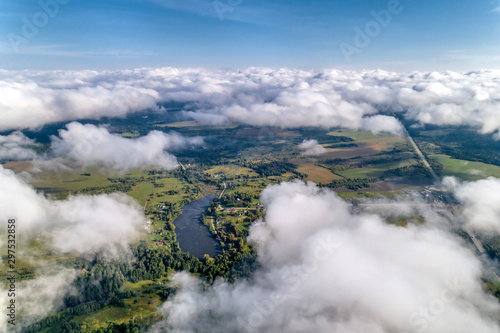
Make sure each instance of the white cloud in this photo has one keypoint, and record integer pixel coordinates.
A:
(312, 147)
(480, 202)
(323, 269)
(81, 146)
(16, 146)
(80, 224)
(39, 297)
(44, 294)
(89, 224)
(89, 145)
(381, 123)
(31, 102)
(283, 97)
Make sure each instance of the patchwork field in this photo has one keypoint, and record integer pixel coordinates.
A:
(243, 168)
(360, 150)
(374, 170)
(368, 141)
(318, 174)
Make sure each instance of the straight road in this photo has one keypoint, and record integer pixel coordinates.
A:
(437, 181)
(439, 185)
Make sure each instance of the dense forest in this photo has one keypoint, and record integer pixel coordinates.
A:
(99, 283)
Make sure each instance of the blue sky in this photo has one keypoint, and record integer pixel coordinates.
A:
(111, 34)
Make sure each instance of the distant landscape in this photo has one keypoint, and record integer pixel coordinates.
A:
(233, 166)
(193, 166)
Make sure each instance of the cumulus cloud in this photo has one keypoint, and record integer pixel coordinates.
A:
(16, 146)
(89, 145)
(480, 202)
(283, 97)
(312, 147)
(30, 100)
(289, 98)
(323, 269)
(80, 224)
(381, 123)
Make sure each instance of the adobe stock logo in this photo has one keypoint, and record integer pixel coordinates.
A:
(373, 28)
(290, 280)
(225, 7)
(32, 24)
(420, 320)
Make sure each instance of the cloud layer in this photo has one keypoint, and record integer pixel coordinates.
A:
(257, 96)
(324, 269)
(80, 224)
(32, 99)
(89, 145)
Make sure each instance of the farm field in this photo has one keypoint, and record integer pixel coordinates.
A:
(355, 167)
(374, 170)
(377, 142)
(318, 174)
(61, 184)
(141, 192)
(467, 170)
(233, 166)
(231, 171)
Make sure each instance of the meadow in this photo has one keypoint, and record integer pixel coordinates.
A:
(466, 170)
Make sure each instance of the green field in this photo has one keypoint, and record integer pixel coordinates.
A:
(169, 183)
(374, 170)
(141, 192)
(378, 142)
(60, 183)
(136, 308)
(367, 144)
(231, 171)
(466, 170)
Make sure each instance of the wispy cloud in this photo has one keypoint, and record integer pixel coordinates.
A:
(199, 7)
(226, 10)
(496, 9)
